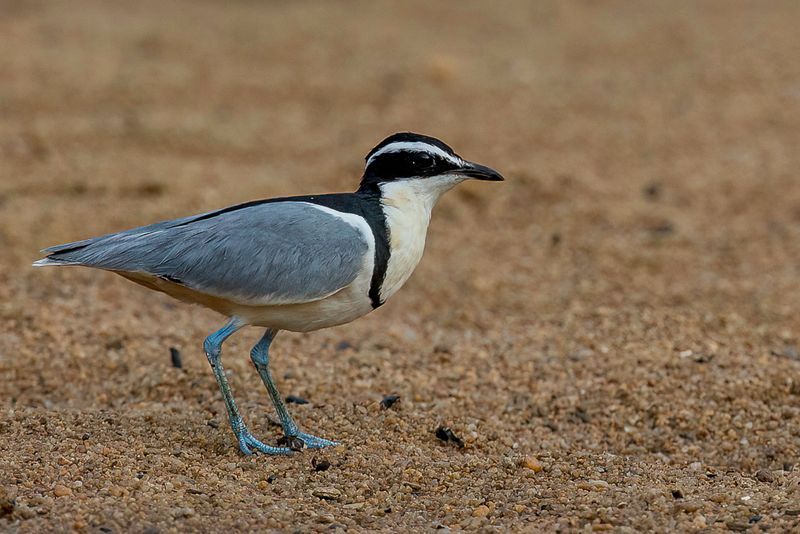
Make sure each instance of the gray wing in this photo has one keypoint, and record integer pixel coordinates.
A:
(271, 253)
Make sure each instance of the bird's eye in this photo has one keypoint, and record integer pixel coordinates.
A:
(423, 161)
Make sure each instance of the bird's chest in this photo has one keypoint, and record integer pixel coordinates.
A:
(407, 220)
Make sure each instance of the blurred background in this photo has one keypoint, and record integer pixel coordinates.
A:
(615, 323)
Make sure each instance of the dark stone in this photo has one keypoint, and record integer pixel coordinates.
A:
(320, 465)
(581, 414)
(114, 344)
(175, 356)
(445, 434)
(293, 399)
(789, 352)
(343, 345)
(7, 507)
(389, 401)
(652, 191)
(765, 475)
(293, 442)
(662, 229)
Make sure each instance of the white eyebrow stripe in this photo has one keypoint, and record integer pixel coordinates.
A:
(415, 146)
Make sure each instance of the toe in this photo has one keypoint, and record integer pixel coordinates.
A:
(313, 442)
(244, 448)
(247, 443)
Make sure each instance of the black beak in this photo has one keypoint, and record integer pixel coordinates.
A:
(480, 172)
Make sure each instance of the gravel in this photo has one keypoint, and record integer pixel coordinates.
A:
(615, 323)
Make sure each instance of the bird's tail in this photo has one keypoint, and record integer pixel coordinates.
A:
(47, 262)
(59, 254)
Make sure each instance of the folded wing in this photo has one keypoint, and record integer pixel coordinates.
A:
(260, 254)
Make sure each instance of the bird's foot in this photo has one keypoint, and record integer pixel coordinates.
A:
(249, 444)
(308, 441)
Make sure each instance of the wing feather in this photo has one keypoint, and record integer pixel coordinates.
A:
(262, 254)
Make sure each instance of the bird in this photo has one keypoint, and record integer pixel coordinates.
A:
(299, 263)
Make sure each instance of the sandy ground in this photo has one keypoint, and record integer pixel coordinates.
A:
(613, 331)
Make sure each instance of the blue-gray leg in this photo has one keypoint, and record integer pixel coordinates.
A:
(260, 357)
(213, 347)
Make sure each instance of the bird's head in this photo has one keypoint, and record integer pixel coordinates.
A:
(419, 162)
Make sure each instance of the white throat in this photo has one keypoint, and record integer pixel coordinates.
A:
(408, 204)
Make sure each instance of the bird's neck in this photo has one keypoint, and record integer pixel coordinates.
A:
(407, 206)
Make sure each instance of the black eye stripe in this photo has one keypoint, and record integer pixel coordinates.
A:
(406, 164)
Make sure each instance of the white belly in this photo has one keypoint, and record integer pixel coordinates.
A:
(342, 307)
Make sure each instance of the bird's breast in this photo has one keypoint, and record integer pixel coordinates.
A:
(407, 221)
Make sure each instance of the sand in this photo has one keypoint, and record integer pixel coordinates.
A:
(612, 332)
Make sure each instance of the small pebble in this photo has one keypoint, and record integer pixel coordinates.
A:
(594, 485)
(325, 518)
(25, 511)
(293, 399)
(61, 491)
(765, 475)
(182, 512)
(530, 462)
(481, 511)
(688, 506)
(327, 493)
